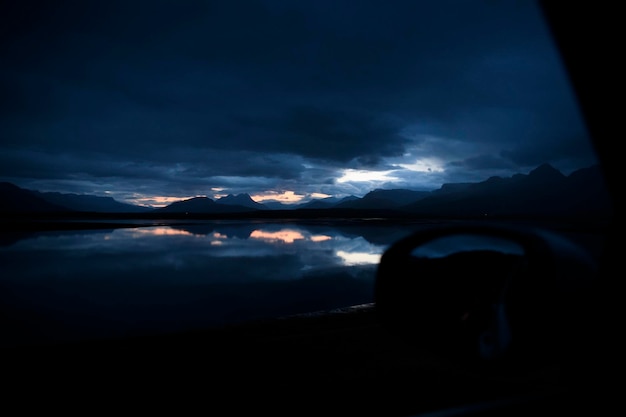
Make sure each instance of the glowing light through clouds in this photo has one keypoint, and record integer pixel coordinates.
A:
(355, 175)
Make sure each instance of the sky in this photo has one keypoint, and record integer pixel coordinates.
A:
(155, 101)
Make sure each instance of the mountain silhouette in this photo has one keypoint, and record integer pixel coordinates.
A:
(543, 192)
(91, 203)
(19, 200)
(384, 199)
(243, 200)
(201, 205)
(326, 203)
(276, 205)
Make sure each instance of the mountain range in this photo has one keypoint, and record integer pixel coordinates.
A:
(544, 191)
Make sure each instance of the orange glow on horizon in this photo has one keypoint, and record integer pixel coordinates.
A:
(284, 197)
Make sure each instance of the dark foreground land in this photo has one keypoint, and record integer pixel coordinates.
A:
(336, 363)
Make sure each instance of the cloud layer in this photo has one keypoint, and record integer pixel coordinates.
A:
(177, 99)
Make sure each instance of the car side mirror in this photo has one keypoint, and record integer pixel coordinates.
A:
(484, 295)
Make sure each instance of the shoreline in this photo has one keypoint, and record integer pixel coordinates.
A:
(69, 221)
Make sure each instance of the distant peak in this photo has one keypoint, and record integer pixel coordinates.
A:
(544, 167)
(9, 186)
(241, 196)
(242, 199)
(545, 170)
(197, 199)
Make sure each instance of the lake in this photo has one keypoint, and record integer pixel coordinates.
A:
(80, 284)
(71, 285)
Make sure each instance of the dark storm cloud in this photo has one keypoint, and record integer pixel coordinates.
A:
(197, 175)
(178, 97)
(483, 162)
(328, 134)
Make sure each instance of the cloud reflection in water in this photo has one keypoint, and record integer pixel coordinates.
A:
(161, 278)
(283, 235)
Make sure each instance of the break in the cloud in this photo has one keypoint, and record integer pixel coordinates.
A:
(150, 101)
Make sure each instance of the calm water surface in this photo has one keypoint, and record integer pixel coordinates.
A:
(72, 285)
(86, 284)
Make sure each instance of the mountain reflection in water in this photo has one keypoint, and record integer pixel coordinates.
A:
(72, 285)
(83, 284)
